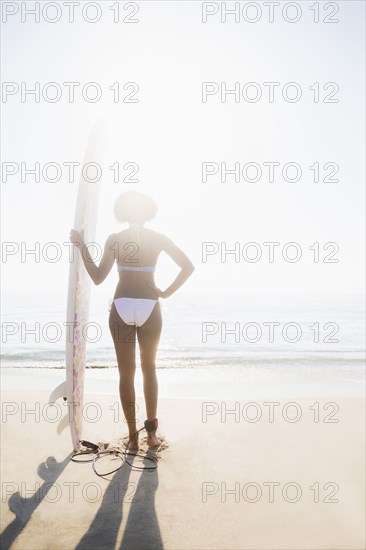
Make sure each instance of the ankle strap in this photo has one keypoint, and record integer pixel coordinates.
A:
(151, 425)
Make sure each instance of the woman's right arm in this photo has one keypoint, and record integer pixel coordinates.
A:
(180, 258)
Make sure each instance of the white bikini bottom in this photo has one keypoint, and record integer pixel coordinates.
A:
(134, 311)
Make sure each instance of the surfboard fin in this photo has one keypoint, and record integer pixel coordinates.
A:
(59, 391)
(64, 422)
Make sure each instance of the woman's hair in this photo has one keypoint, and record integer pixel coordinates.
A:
(134, 207)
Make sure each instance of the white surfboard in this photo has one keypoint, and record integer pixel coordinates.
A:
(72, 390)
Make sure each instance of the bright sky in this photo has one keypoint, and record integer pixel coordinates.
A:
(170, 132)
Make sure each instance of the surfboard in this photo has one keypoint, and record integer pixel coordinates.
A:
(77, 315)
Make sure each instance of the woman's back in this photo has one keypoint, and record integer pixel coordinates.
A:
(137, 248)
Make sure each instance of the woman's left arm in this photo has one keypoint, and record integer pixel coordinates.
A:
(97, 273)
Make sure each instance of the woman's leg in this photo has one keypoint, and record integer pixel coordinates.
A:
(124, 338)
(148, 337)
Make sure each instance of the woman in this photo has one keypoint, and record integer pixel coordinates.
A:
(136, 309)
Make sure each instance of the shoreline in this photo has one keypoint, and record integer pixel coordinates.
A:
(198, 382)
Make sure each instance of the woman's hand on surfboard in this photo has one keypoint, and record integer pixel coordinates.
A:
(77, 237)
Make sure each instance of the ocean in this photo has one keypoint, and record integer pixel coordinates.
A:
(199, 330)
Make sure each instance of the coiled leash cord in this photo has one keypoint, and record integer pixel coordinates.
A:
(93, 449)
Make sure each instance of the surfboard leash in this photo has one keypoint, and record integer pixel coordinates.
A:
(96, 453)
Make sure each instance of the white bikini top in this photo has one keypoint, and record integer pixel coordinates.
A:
(135, 268)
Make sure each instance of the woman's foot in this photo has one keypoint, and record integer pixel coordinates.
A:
(133, 444)
(152, 440)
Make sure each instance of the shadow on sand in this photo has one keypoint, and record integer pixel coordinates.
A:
(23, 508)
(142, 528)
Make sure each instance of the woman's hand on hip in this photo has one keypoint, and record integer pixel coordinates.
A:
(158, 292)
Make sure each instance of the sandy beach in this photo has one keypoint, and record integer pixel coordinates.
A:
(270, 474)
